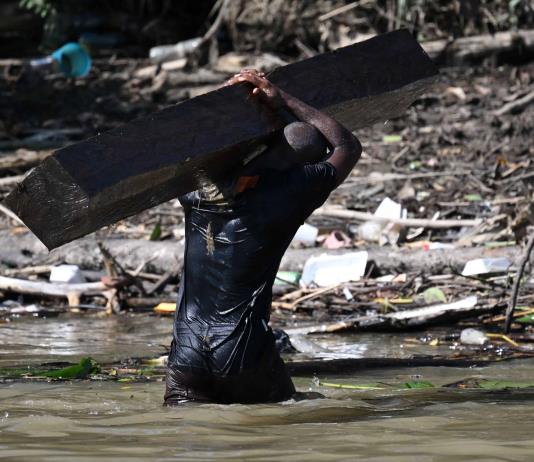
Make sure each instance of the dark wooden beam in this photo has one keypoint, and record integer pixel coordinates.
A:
(111, 176)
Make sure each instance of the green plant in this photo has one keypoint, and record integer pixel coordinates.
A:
(42, 7)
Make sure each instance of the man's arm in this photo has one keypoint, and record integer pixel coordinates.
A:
(346, 148)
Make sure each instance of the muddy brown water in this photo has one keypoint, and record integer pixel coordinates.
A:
(113, 421)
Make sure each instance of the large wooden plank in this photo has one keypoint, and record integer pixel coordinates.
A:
(90, 184)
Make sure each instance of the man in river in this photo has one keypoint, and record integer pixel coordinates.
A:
(237, 231)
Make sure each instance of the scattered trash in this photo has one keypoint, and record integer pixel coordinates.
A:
(486, 266)
(172, 52)
(70, 274)
(391, 138)
(458, 92)
(392, 278)
(348, 294)
(306, 234)
(165, 308)
(473, 337)
(326, 270)
(287, 277)
(337, 240)
(72, 60)
(374, 231)
(428, 245)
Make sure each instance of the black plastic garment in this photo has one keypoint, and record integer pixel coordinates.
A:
(234, 244)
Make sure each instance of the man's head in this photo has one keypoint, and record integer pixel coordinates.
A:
(298, 143)
(306, 142)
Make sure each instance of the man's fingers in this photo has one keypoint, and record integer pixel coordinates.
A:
(253, 79)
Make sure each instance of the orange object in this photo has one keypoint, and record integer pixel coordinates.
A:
(246, 182)
(165, 308)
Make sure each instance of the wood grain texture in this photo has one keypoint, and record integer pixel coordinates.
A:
(108, 177)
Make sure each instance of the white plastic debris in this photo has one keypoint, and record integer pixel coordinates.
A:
(172, 52)
(326, 270)
(348, 294)
(69, 274)
(486, 266)
(306, 234)
(473, 337)
(373, 231)
(388, 209)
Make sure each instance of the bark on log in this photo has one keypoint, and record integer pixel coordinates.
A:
(23, 250)
(122, 172)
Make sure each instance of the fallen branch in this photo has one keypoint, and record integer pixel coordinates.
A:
(517, 105)
(342, 9)
(476, 48)
(517, 282)
(406, 319)
(407, 222)
(293, 305)
(72, 292)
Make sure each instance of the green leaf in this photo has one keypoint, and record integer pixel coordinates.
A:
(156, 232)
(287, 277)
(392, 139)
(418, 384)
(434, 295)
(82, 370)
(473, 197)
(525, 319)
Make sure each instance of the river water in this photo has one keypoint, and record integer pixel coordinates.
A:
(114, 421)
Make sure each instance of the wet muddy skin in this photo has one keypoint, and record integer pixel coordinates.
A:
(116, 421)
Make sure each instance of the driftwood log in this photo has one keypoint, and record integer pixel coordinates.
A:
(504, 45)
(160, 257)
(72, 292)
(119, 173)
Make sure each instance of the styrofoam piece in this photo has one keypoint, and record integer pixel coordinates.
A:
(473, 337)
(69, 274)
(306, 234)
(372, 230)
(388, 209)
(326, 270)
(486, 266)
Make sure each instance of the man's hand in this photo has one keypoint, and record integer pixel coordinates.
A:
(346, 148)
(268, 92)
